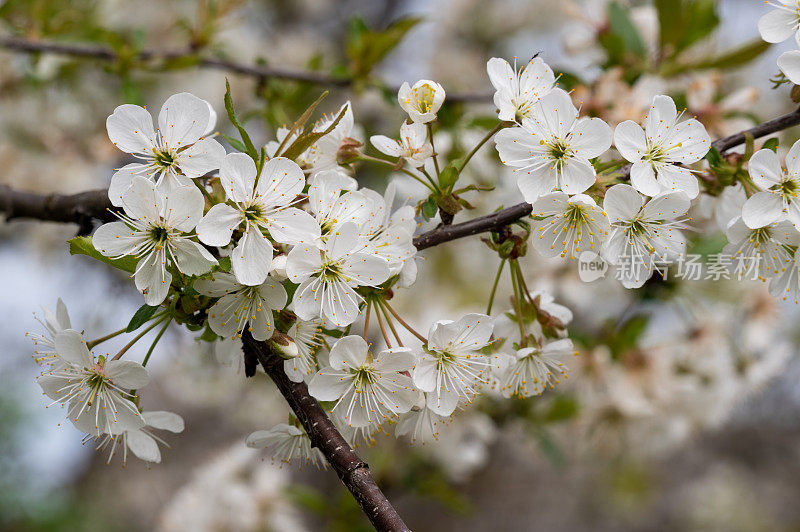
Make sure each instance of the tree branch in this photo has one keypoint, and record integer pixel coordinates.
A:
(353, 472)
(257, 71)
(73, 208)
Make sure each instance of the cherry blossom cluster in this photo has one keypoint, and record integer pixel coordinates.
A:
(283, 245)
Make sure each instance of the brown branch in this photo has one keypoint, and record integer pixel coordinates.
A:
(76, 208)
(353, 472)
(257, 71)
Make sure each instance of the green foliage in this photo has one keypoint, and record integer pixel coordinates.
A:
(771, 144)
(141, 317)
(620, 25)
(684, 22)
(82, 245)
(249, 148)
(449, 176)
(366, 47)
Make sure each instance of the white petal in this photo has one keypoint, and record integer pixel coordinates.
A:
(183, 119)
(237, 174)
(191, 258)
(251, 259)
(789, 63)
(660, 119)
(643, 178)
(765, 168)
(152, 279)
(160, 419)
(666, 206)
(72, 348)
(217, 226)
(293, 226)
(622, 203)
(591, 137)
(183, 208)
(367, 269)
(143, 446)
(302, 262)
(114, 239)
(386, 145)
(280, 182)
(127, 374)
(425, 373)
(130, 128)
(630, 140)
(534, 184)
(142, 201)
(674, 178)
(201, 157)
(777, 25)
(306, 302)
(577, 175)
(121, 181)
(329, 384)
(762, 209)
(688, 143)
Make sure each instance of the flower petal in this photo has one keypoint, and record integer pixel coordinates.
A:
(130, 128)
(183, 119)
(127, 374)
(622, 203)
(251, 259)
(217, 226)
(630, 140)
(762, 209)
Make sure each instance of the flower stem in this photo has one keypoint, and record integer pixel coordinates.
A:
(366, 319)
(391, 325)
(137, 338)
(478, 146)
(369, 158)
(494, 286)
(109, 336)
(523, 286)
(383, 329)
(202, 188)
(404, 324)
(158, 337)
(517, 303)
(435, 155)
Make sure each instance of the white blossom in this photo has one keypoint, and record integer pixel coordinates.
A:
(328, 276)
(643, 236)
(422, 100)
(367, 389)
(259, 202)
(308, 338)
(658, 150)
(780, 23)
(567, 226)
(96, 392)
(516, 93)
(287, 443)
(242, 306)
(154, 230)
(142, 442)
(779, 197)
(412, 146)
(46, 342)
(420, 425)
(450, 366)
(324, 154)
(171, 154)
(761, 251)
(533, 369)
(551, 150)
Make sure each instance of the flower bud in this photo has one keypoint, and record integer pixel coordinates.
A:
(348, 151)
(279, 268)
(422, 100)
(283, 345)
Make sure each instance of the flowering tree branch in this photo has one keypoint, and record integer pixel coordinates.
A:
(256, 71)
(353, 472)
(83, 207)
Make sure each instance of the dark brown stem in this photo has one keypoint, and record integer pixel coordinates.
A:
(353, 472)
(257, 71)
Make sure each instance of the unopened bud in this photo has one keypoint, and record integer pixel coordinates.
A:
(283, 345)
(279, 268)
(348, 151)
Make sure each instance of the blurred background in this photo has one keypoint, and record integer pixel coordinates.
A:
(682, 411)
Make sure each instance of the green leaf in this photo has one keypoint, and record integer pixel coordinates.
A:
(208, 335)
(82, 245)
(770, 144)
(141, 317)
(304, 141)
(734, 58)
(448, 176)
(713, 157)
(300, 123)
(365, 47)
(429, 208)
(224, 264)
(235, 143)
(564, 407)
(620, 24)
(250, 149)
(682, 23)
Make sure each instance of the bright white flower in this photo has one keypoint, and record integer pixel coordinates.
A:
(308, 338)
(787, 284)
(760, 251)
(323, 155)
(228, 352)
(516, 93)
(173, 153)
(412, 145)
(534, 369)
(328, 276)
(258, 202)
(658, 150)
(643, 236)
(46, 343)
(568, 225)
(781, 23)
(331, 207)
(420, 424)
(390, 235)
(367, 389)
(450, 366)
(143, 443)
(286, 443)
(153, 230)
(272, 146)
(242, 306)
(97, 392)
(780, 189)
(552, 148)
(422, 100)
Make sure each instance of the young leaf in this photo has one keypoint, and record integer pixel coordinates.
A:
(300, 123)
(305, 140)
(429, 208)
(448, 176)
(141, 317)
(236, 144)
(250, 149)
(621, 25)
(771, 144)
(82, 245)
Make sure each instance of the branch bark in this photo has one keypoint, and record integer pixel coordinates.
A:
(353, 472)
(257, 71)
